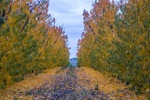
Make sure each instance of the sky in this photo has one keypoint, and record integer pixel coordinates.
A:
(68, 13)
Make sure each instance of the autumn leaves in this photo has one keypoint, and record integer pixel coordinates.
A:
(29, 40)
(116, 40)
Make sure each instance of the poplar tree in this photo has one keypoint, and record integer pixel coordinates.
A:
(29, 40)
(116, 40)
(130, 58)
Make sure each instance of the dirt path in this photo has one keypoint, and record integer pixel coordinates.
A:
(70, 84)
(65, 87)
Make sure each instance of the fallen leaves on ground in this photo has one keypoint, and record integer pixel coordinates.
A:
(69, 84)
(115, 89)
(17, 90)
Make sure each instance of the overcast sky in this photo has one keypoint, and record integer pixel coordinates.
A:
(69, 14)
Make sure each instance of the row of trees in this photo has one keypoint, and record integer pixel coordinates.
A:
(116, 40)
(29, 40)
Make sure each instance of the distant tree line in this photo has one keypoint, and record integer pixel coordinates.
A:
(29, 40)
(116, 39)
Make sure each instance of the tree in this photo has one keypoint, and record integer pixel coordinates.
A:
(116, 40)
(29, 40)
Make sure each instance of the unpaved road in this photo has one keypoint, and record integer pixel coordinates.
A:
(71, 84)
(65, 87)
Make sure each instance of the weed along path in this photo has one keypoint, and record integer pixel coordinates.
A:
(69, 84)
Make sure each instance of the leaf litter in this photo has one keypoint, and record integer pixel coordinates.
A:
(69, 84)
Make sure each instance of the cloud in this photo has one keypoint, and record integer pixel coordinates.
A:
(69, 14)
